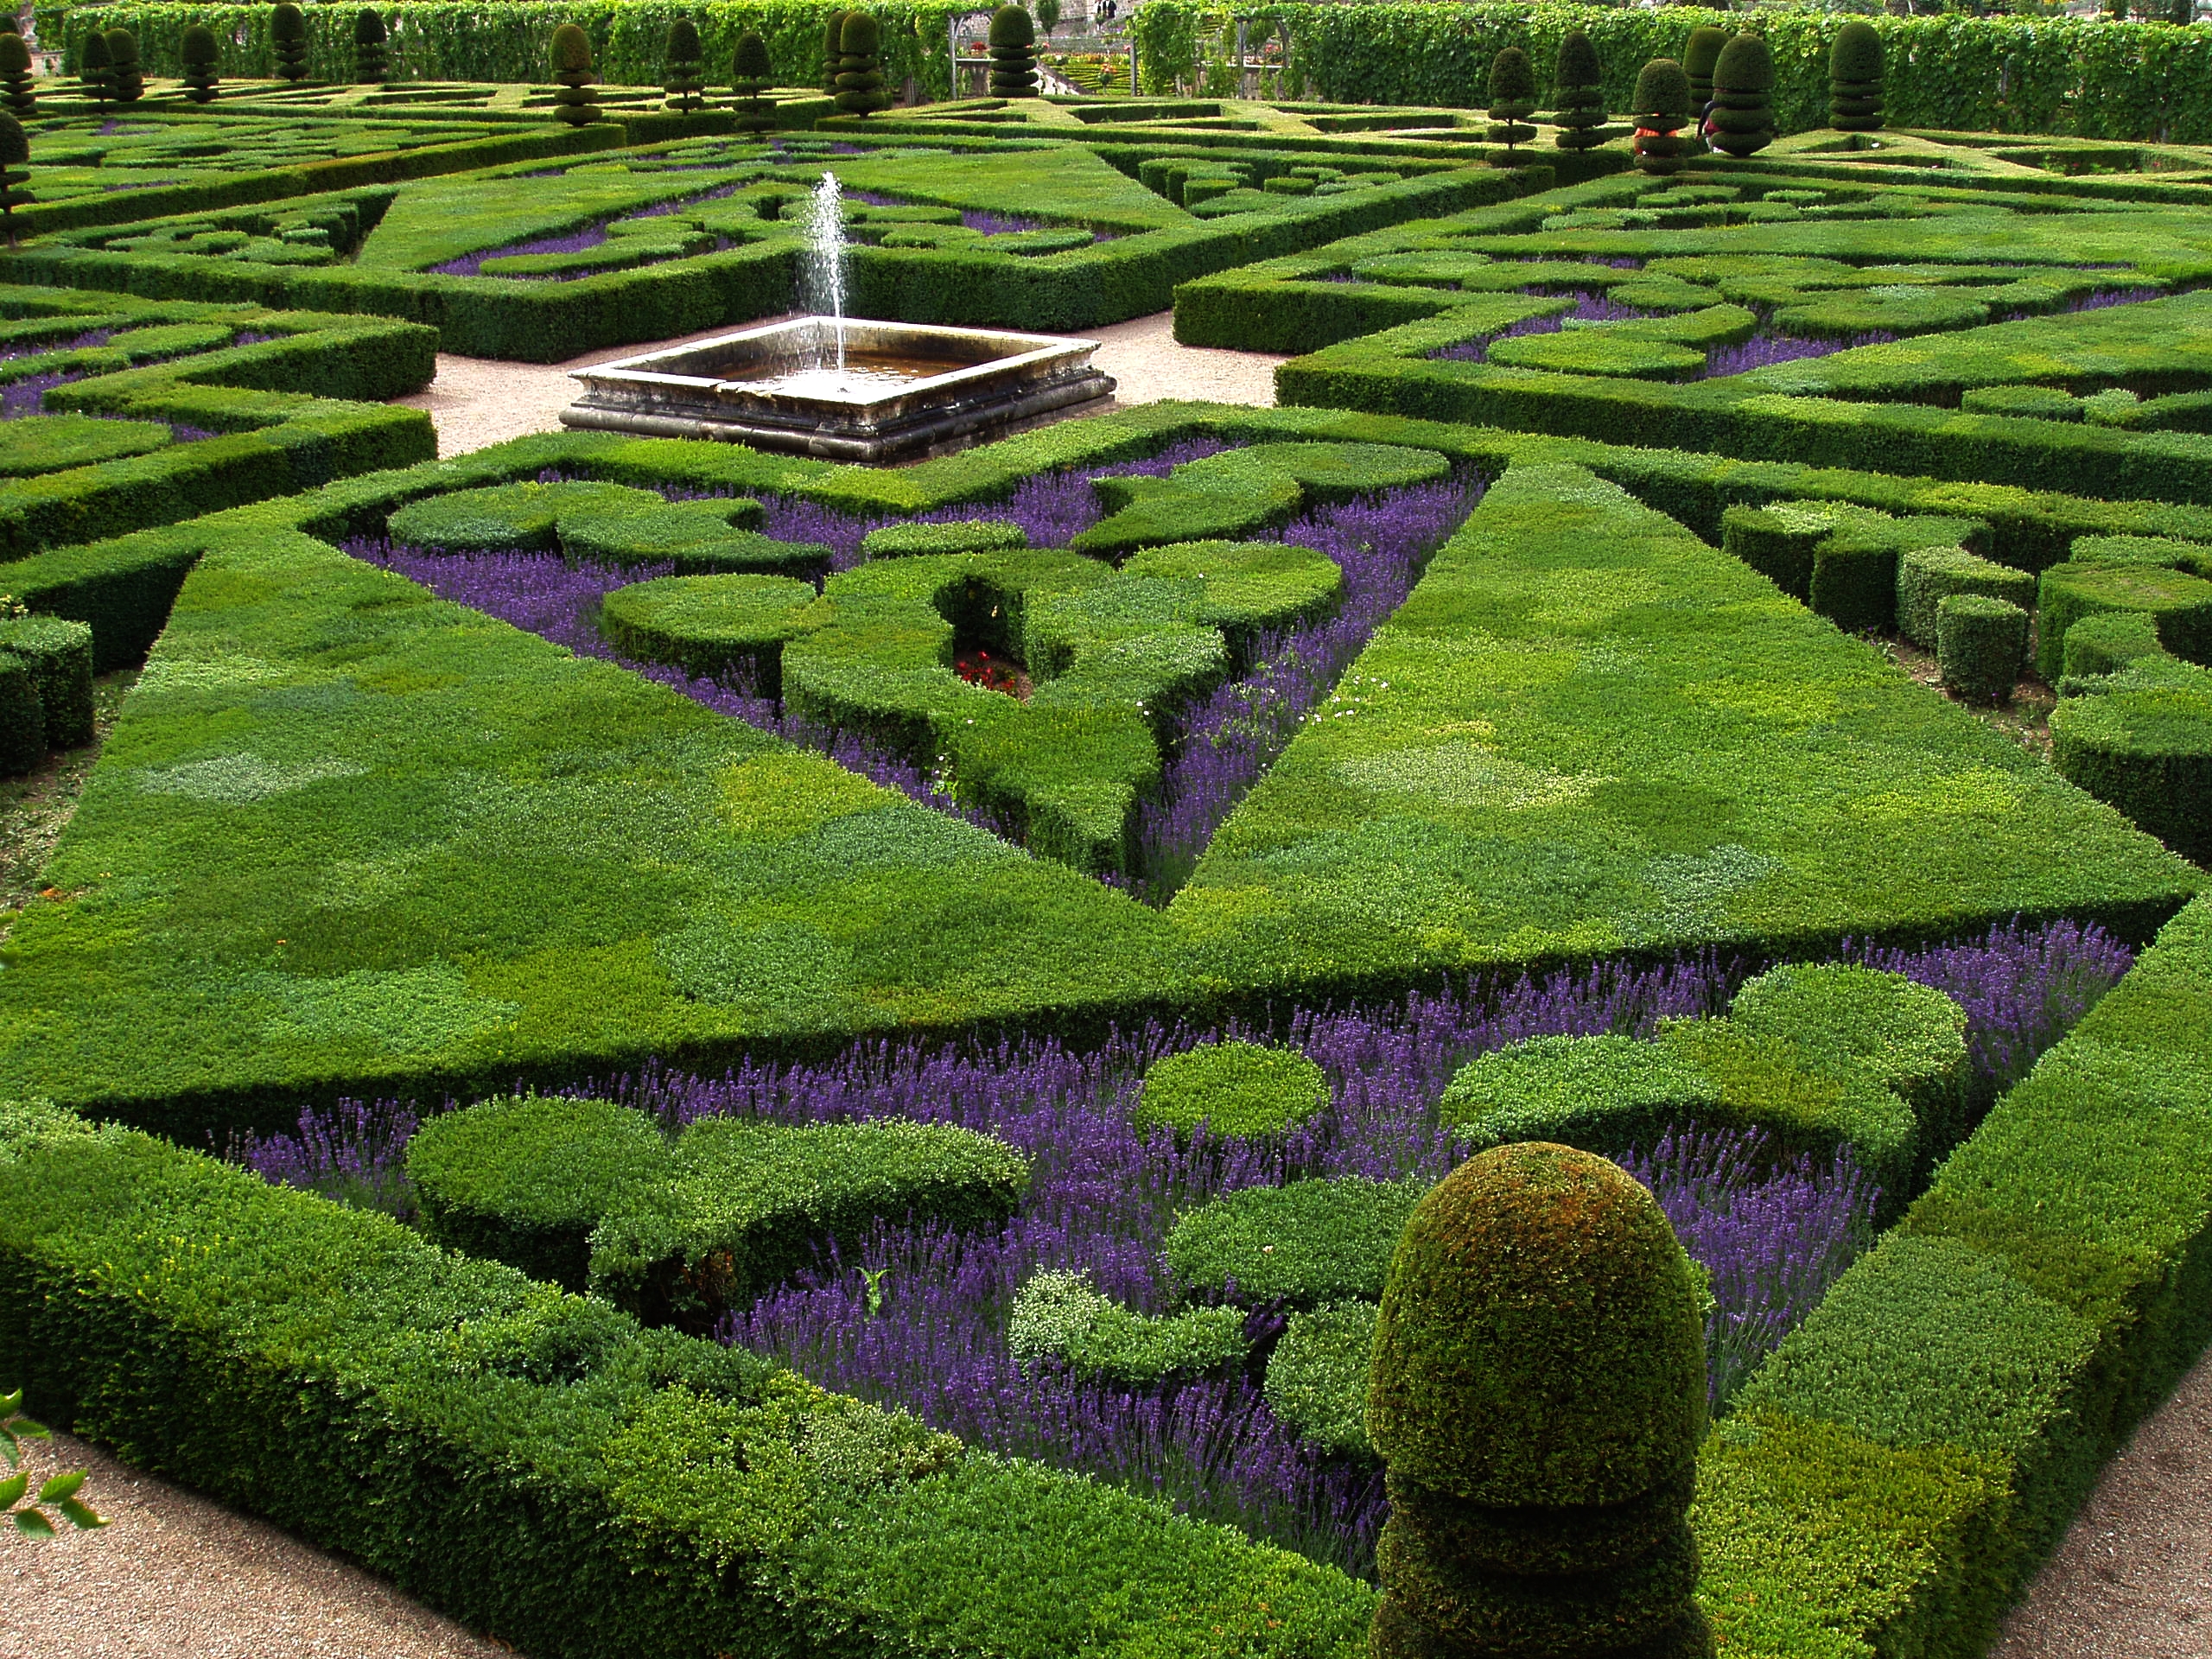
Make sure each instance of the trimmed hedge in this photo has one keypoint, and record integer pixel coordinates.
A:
(1057, 1316)
(1981, 644)
(1316, 1376)
(58, 655)
(710, 627)
(1232, 1088)
(1306, 1243)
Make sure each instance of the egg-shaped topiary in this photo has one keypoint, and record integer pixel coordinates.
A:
(860, 67)
(833, 48)
(1578, 93)
(1662, 107)
(95, 73)
(287, 42)
(1235, 1089)
(15, 158)
(371, 63)
(1742, 118)
(1013, 53)
(1699, 57)
(1512, 97)
(750, 75)
(576, 102)
(196, 56)
(1855, 79)
(130, 80)
(1537, 1393)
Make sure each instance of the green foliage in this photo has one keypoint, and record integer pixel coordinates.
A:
(1927, 576)
(22, 717)
(2108, 642)
(197, 52)
(1743, 83)
(833, 47)
(18, 97)
(575, 103)
(1660, 107)
(860, 67)
(519, 517)
(2141, 739)
(1059, 1317)
(126, 76)
(1232, 1088)
(2180, 605)
(287, 42)
(1981, 644)
(95, 70)
(1603, 1094)
(710, 627)
(1512, 97)
(14, 157)
(1013, 55)
(1855, 79)
(681, 71)
(1698, 58)
(1316, 1376)
(23, 1508)
(1578, 93)
(58, 655)
(967, 535)
(1304, 1244)
(371, 60)
(751, 73)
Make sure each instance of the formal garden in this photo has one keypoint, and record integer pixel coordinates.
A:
(1551, 999)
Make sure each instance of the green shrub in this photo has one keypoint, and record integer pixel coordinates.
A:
(2193, 557)
(18, 97)
(1777, 541)
(1013, 56)
(750, 75)
(923, 541)
(1540, 1347)
(1578, 94)
(287, 42)
(710, 627)
(860, 67)
(2107, 643)
(525, 1180)
(1304, 1244)
(1743, 88)
(1927, 576)
(575, 103)
(1058, 1316)
(371, 60)
(15, 158)
(1699, 56)
(1316, 1376)
(1855, 79)
(1232, 1088)
(2180, 605)
(59, 656)
(1981, 644)
(196, 53)
(833, 48)
(1661, 108)
(2033, 403)
(22, 718)
(95, 70)
(126, 77)
(682, 69)
(1512, 98)
(1606, 1094)
(2144, 743)
(521, 518)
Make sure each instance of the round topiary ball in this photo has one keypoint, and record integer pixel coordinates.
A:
(1856, 55)
(197, 45)
(1235, 1089)
(1662, 89)
(1540, 1341)
(571, 50)
(1745, 66)
(1012, 26)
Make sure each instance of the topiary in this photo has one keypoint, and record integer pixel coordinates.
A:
(196, 53)
(1578, 94)
(15, 163)
(575, 103)
(1855, 79)
(1232, 1088)
(681, 77)
(1981, 643)
(130, 80)
(1512, 97)
(370, 61)
(751, 74)
(860, 69)
(1663, 103)
(95, 73)
(1537, 1394)
(833, 48)
(1698, 58)
(1741, 122)
(288, 40)
(16, 95)
(1013, 55)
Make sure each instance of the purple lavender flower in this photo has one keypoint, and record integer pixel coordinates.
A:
(355, 1153)
(990, 224)
(470, 264)
(83, 342)
(27, 396)
(1765, 348)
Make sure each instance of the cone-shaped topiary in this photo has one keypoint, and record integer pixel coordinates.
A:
(1662, 106)
(195, 52)
(1698, 59)
(1742, 121)
(1536, 1392)
(1578, 95)
(750, 75)
(1013, 53)
(16, 96)
(128, 80)
(1855, 79)
(682, 72)
(15, 171)
(370, 61)
(1512, 97)
(833, 48)
(287, 42)
(576, 102)
(94, 72)
(860, 70)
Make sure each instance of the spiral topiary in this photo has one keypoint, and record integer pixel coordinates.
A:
(95, 73)
(1578, 94)
(130, 80)
(750, 75)
(682, 72)
(1662, 106)
(15, 163)
(370, 61)
(1742, 118)
(287, 42)
(1855, 79)
(1536, 1393)
(1013, 53)
(1512, 97)
(196, 54)
(1699, 57)
(833, 48)
(16, 95)
(576, 102)
(859, 69)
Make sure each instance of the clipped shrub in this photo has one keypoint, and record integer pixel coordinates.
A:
(751, 74)
(920, 541)
(288, 40)
(2143, 744)
(1927, 575)
(833, 48)
(711, 627)
(1540, 1348)
(1059, 1317)
(1238, 1088)
(15, 160)
(1013, 55)
(1662, 105)
(59, 655)
(371, 63)
(1578, 94)
(95, 72)
(1855, 79)
(2180, 605)
(1316, 1376)
(2195, 557)
(1605, 1094)
(196, 53)
(860, 67)
(1700, 56)
(700, 538)
(576, 102)
(682, 77)
(1742, 118)
(2107, 643)
(2022, 403)
(1304, 1244)
(128, 77)
(1512, 97)
(1981, 643)
(23, 720)
(523, 518)
(17, 96)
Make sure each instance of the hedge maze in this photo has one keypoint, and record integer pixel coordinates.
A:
(851, 1050)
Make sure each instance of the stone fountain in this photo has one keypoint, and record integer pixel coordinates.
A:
(841, 388)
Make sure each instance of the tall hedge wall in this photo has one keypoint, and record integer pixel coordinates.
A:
(2088, 77)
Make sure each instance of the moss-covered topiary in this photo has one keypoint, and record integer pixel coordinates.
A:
(1238, 1088)
(576, 102)
(682, 72)
(16, 95)
(1981, 643)
(1741, 121)
(196, 54)
(751, 74)
(15, 174)
(833, 48)
(1662, 106)
(1013, 53)
(129, 78)
(287, 42)
(1699, 56)
(1578, 94)
(95, 73)
(1540, 1348)
(1512, 97)
(371, 63)
(1855, 79)
(860, 67)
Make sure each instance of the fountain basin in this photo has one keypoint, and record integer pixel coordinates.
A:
(906, 390)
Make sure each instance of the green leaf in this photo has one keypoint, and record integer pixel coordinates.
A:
(32, 1524)
(12, 1491)
(60, 1486)
(80, 1515)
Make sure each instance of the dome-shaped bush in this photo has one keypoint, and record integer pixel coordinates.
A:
(751, 60)
(1013, 55)
(1855, 79)
(195, 52)
(17, 95)
(1512, 97)
(371, 62)
(682, 40)
(751, 74)
(1662, 105)
(682, 74)
(574, 102)
(1578, 93)
(861, 33)
(1012, 26)
(130, 80)
(571, 49)
(1699, 57)
(860, 67)
(1234, 1089)
(287, 42)
(833, 48)
(1741, 122)
(1745, 66)
(14, 143)
(1578, 60)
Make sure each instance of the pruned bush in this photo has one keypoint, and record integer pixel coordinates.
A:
(751, 74)
(1059, 1317)
(18, 96)
(1742, 119)
(1304, 1243)
(1578, 94)
(1512, 97)
(287, 42)
(371, 61)
(1014, 54)
(576, 102)
(196, 53)
(860, 67)
(1981, 645)
(1235, 1089)
(129, 79)
(683, 77)
(1855, 79)
(1663, 107)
